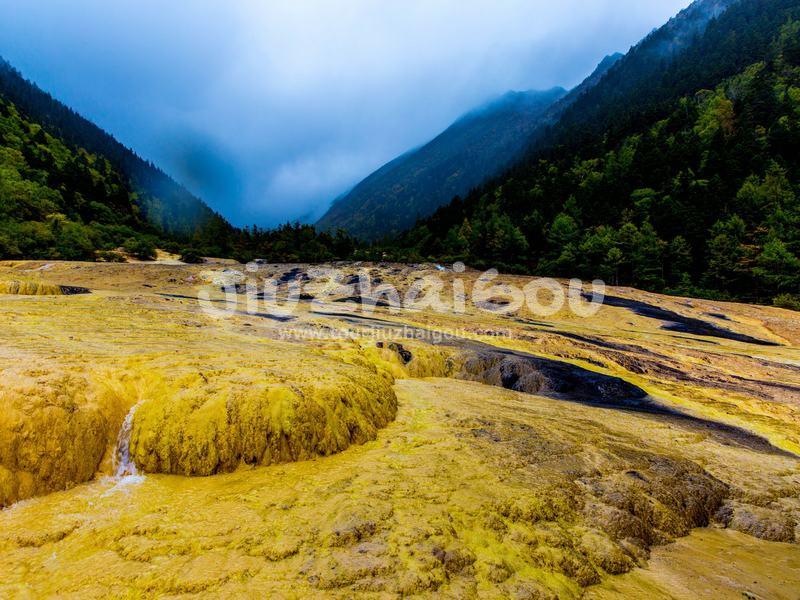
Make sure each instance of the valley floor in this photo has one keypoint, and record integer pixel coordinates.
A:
(528, 457)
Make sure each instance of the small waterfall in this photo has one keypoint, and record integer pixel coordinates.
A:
(122, 462)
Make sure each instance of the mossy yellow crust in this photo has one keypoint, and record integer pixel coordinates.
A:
(210, 395)
(711, 563)
(339, 471)
(53, 433)
(201, 424)
(29, 288)
(470, 492)
(190, 420)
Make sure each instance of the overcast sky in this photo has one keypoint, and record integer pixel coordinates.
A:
(270, 109)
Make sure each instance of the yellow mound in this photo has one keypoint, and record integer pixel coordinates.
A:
(30, 288)
(201, 424)
(471, 492)
(54, 432)
(58, 430)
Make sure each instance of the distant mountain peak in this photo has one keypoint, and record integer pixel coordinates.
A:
(515, 100)
(477, 146)
(484, 141)
(603, 67)
(680, 30)
(609, 61)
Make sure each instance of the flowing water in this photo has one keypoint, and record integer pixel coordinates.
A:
(123, 464)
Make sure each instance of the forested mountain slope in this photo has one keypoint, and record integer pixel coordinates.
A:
(480, 145)
(688, 181)
(164, 203)
(69, 190)
(60, 202)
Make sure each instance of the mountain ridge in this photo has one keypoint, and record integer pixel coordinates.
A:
(167, 204)
(387, 201)
(347, 209)
(682, 178)
(71, 191)
(479, 144)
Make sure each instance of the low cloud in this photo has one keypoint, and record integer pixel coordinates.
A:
(269, 110)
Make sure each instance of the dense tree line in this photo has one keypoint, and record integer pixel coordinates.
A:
(701, 197)
(69, 190)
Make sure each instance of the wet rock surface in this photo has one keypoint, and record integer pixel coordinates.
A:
(71, 290)
(39, 288)
(533, 375)
(679, 323)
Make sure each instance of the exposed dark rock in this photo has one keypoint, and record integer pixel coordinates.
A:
(598, 342)
(677, 322)
(296, 274)
(238, 288)
(760, 522)
(71, 290)
(719, 316)
(565, 381)
(493, 304)
(365, 300)
(534, 375)
(404, 354)
(271, 317)
(535, 323)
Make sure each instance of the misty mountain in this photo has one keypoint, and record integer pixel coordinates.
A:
(650, 73)
(483, 144)
(678, 171)
(165, 204)
(70, 191)
(479, 145)
(417, 183)
(681, 31)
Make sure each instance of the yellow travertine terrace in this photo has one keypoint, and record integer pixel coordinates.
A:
(150, 448)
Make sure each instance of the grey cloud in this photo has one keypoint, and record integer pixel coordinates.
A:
(270, 109)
